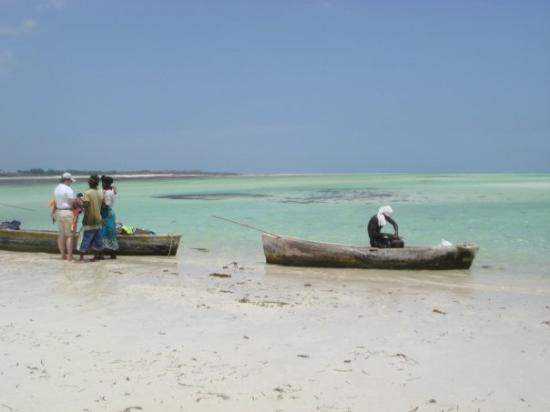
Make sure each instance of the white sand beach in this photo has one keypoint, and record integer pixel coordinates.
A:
(152, 334)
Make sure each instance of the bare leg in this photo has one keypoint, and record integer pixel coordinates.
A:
(70, 241)
(61, 242)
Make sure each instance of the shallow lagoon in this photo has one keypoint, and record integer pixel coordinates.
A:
(508, 215)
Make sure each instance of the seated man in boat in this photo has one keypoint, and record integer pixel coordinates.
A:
(376, 223)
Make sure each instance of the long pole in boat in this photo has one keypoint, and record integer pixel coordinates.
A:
(17, 207)
(245, 225)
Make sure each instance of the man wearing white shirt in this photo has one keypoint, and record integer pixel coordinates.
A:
(63, 215)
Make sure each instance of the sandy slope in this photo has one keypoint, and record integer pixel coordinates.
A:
(152, 334)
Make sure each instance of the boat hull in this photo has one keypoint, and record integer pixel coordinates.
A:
(280, 250)
(46, 242)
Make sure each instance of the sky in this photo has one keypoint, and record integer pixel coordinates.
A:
(286, 86)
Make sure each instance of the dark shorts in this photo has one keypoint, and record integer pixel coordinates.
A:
(387, 241)
(90, 238)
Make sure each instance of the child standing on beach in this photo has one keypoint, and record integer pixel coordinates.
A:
(77, 210)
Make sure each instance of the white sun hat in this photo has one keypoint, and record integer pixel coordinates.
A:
(68, 176)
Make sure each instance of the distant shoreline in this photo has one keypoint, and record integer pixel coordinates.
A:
(117, 176)
(81, 176)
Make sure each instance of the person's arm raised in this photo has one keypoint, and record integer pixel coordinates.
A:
(394, 224)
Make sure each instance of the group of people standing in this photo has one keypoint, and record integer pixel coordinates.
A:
(98, 231)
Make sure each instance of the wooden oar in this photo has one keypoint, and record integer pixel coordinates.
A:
(17, 207)
(245, 225)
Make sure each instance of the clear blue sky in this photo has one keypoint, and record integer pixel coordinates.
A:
(275, 86)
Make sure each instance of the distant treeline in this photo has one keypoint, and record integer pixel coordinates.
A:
(76, 172)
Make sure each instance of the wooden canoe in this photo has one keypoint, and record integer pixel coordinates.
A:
(46, 241)
(282, 250)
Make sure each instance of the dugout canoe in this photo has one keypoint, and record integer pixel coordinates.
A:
(46, 241)
(288, 251)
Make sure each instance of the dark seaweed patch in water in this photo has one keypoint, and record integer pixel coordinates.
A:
(211, 196)
(343, 195)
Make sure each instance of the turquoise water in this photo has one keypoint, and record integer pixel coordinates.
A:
(508, 215)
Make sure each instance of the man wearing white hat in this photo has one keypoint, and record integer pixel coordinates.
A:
(63, 215)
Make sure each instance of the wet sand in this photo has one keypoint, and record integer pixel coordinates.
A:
(161, 334)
